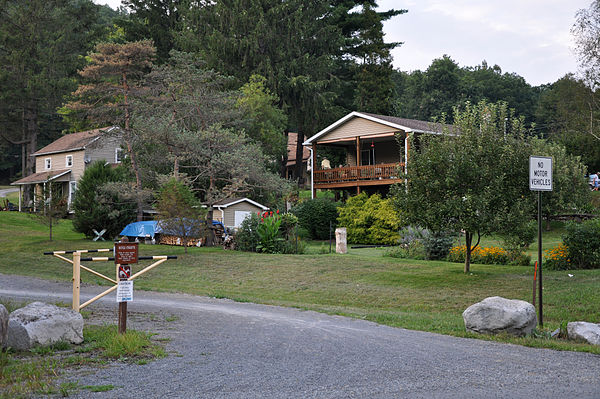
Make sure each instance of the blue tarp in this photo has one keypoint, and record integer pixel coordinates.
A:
(140, 229)
(148, 229)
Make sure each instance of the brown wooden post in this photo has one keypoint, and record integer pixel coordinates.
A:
(76, 280)
(122, 312)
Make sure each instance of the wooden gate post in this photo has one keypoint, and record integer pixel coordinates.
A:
(76, 279)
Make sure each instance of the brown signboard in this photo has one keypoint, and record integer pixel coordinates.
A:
(126, 253)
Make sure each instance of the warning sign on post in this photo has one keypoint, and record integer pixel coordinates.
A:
(540, 173)
(126, 253)
(125, 291)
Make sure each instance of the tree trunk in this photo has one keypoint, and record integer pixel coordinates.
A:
(468, 241)
(176, 168)
(284, 159)
(30, 134)
(134, 166)
(210, 238)
(298, 169)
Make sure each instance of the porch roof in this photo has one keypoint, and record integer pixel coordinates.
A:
(42, 177)
(406, 125)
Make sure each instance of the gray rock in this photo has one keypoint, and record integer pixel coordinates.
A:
(495, 315)
(3, 326)
(42, 324)
(589, 332)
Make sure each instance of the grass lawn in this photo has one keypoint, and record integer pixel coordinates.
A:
(419, 295)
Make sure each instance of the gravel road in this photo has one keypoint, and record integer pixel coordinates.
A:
(223, 349)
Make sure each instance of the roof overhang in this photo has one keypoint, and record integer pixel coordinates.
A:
(42, 177)
(355, 114)
(223, 206)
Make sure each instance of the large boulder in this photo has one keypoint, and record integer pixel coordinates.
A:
(42, 324)
(3, 326)
(496, 315)
(589, 332)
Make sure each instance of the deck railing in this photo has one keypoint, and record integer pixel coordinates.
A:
(358, 173)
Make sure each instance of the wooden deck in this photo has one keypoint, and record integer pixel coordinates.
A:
(367, 175)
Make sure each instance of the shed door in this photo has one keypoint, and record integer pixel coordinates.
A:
(239, 217)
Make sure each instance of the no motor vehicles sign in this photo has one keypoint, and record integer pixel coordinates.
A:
(540, 173)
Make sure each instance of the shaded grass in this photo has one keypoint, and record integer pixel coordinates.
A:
(419, 295)
(25, 373)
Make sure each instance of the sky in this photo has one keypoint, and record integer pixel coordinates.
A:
(528, 37)
(531, 38)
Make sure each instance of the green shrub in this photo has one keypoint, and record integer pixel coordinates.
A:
(316, 216)
(269, 232)
(246, 238)
(521, 236)
(519, 259)
(414, 250)
(96, 208)
(581, 240)
(437, 245)
(269, 236)
(370, 220)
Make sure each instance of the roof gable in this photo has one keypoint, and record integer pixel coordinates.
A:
(390, 122)
(73, 141)
(232, 201)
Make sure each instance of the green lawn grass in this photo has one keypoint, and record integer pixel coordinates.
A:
(420, 295)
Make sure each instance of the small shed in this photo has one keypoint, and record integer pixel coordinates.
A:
(233, 211)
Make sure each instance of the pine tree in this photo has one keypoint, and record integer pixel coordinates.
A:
(112, 79)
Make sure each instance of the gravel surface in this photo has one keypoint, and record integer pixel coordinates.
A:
(223, 349)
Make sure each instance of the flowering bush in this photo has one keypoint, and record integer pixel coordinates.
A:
(269, 236)
(557, 258)
(485, 255)
(270, 232)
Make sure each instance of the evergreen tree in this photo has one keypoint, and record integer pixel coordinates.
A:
(96, 207)
(157, 20)
(41, 48)
(112, 79)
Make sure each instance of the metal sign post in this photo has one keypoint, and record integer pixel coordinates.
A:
(540, 179)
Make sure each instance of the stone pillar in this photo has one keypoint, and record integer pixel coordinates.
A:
(340, 240)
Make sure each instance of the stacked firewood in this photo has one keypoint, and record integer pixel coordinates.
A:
(173, 240)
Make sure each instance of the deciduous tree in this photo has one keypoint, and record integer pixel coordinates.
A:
(472, 178)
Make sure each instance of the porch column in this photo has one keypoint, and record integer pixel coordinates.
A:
(20, 195)
(406, 151)
(357, 164)
(313, 163)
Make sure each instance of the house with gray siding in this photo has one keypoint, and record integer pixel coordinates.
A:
(232, 212)
(64, 161)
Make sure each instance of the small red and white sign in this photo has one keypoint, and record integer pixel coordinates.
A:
(124, 272)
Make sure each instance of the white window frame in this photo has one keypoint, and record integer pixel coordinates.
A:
(48, 163)
(118, 159)
(69, 161)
